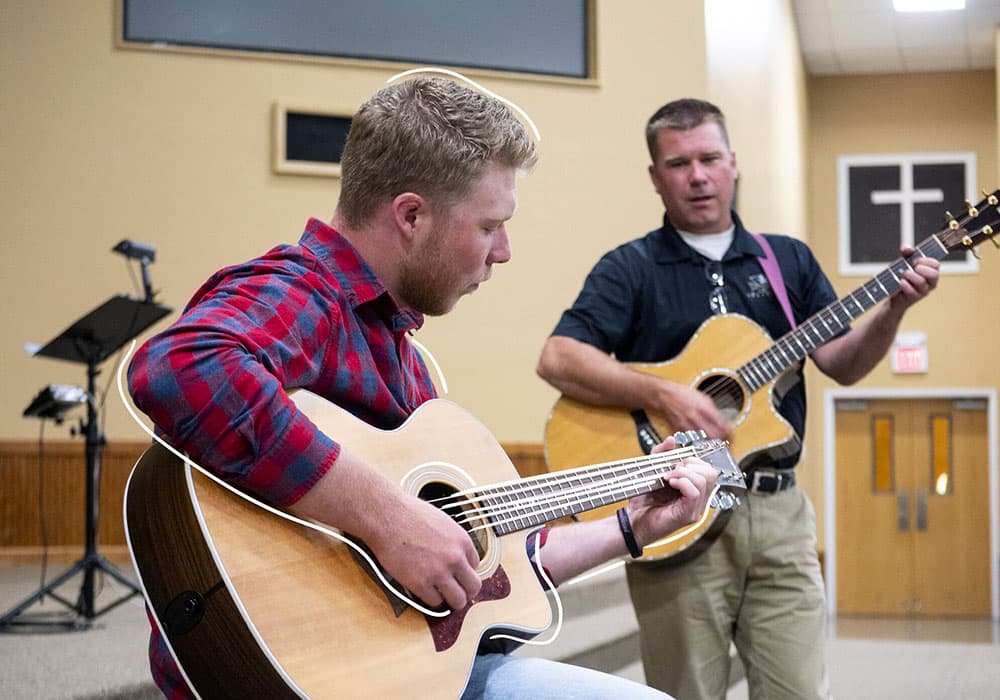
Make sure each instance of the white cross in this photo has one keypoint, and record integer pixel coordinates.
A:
(906, 196)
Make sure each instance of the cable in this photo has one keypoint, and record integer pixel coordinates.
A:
(41, 505)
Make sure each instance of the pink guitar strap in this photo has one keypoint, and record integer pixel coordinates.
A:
(769, 263)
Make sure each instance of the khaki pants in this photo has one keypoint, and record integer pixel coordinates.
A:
(759, 586)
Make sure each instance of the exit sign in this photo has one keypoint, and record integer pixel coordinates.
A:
(909, 353)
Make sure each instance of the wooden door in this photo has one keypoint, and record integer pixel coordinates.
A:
(912, 507)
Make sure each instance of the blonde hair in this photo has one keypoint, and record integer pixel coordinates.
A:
(427, 135)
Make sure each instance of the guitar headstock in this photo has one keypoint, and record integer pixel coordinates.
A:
(981, 223)
(715, 452)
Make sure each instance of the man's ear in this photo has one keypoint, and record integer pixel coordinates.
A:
(411, 214)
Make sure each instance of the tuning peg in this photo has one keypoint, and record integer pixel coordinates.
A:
(991, 198)
(952, 221)
(973, 212)
(988, 231)
(968, 243)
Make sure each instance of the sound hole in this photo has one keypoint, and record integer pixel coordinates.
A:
(726, 392)
(461, 511)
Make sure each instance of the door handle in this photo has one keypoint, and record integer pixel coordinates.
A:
(903, 510)
(922, 511)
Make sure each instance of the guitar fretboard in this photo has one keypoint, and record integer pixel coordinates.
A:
(527, 503)
(533, 502)
(832, 320)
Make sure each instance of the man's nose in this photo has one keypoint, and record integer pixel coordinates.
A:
(500, 252)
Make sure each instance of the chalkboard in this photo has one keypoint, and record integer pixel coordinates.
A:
(546, 37)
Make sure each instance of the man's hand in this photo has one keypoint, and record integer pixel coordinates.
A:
(681, 503)
(915, 283)
(428, 553)
(686, 408)
(418, 545)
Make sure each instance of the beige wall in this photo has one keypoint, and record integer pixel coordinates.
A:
(758, 79)
(101, 144)
(897, 114)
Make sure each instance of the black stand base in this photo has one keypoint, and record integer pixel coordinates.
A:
(84, 609)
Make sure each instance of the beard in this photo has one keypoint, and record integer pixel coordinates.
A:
(427, 280)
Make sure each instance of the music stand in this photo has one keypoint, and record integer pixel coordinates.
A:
(90, 341)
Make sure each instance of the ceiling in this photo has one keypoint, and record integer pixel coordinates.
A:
(868, 36)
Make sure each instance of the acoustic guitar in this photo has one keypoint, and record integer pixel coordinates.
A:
(254, 605)
(734, 360)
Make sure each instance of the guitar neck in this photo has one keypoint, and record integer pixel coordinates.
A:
(835, 318)
(527, 503)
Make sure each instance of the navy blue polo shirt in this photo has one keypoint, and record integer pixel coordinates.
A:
(644, 300)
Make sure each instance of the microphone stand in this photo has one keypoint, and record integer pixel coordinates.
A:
(90, 341)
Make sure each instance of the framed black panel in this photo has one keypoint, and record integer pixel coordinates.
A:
(308, 141)
(551, 38)
(895, 199)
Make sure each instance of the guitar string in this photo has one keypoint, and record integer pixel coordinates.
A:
(583, 492)
(545, 510)
(623, 470)
(546, 513)
(931, 247)
(651, 477)
(723, 386)
(680, 453)
(625, 466)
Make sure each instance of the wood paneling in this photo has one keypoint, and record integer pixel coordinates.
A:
(43, 495)
(528, 457)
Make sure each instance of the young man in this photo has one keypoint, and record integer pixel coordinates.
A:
(759, 584)
(428, 185)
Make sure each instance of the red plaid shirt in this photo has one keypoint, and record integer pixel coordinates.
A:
(310, 316)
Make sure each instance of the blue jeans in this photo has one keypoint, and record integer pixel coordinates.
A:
(503, 677)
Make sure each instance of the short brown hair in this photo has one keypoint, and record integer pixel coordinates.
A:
(683, 115)
(426, 135)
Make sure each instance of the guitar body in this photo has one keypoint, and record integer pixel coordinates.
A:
(285, 611)
(580, 433)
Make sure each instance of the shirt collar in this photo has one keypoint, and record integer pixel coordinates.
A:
(671, 248)
(360, 285)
